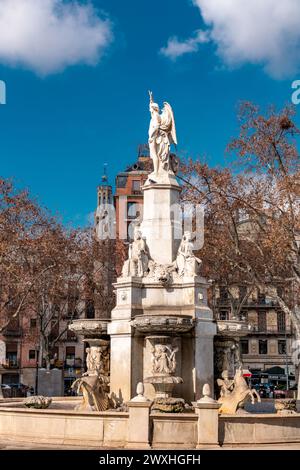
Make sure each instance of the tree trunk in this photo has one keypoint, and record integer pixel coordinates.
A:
(41, 351)
(298, 385)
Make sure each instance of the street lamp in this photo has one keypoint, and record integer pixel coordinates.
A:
(286, 361)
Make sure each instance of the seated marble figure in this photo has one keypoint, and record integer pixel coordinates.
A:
(138, 257)
(187, 263)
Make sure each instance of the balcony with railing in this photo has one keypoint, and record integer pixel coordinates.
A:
(249, 304)
(10, 364)
(69, 337)
(271, 330)
(13, 330)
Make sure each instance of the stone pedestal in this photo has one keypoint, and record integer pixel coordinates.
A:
(205, 330)
(162, 223)
(139, 424)
(144, 308)
(208, 423)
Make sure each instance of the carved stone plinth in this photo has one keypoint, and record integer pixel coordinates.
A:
(174, 324)
(233, 328)
(89, 328)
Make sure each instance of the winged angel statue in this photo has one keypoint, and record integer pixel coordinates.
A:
(162, 134)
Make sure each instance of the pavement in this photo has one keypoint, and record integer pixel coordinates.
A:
(14, 445)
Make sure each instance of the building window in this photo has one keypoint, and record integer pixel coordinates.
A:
(224, 315)
(89, 309)
(132, 209)
(243, 292)
(31, 354)
(281, 346)
(261, 298)
(136, 186)
(12, 355)
(9, 379)
(70, 356)
(244, 346)
(121, 181)
(244, 315)
(71, 336)
(32, 322)
(280, 291)
(263, 346)
(281, 326)
(223, 293)
(262, 321)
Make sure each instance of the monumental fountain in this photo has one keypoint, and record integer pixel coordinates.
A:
(161, 330)
(155, 355)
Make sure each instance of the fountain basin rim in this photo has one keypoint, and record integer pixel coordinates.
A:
(163, 379)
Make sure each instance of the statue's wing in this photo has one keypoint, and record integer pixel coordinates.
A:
(168, 121)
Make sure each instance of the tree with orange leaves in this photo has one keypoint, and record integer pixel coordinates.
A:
(48, 272)
(252, 210)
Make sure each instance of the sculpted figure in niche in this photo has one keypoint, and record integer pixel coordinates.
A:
(187, 263)
(138, 257)
(163, 359)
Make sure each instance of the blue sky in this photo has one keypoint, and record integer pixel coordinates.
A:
(62, 122)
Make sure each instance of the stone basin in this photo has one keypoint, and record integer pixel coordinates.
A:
(89, 327)
(163, 384)
(163, 323)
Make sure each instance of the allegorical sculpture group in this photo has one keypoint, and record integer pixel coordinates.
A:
(234, 393)
(140, 264)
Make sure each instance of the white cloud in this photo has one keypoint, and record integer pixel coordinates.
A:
(265, 32)
(47, 36)
(176, 48)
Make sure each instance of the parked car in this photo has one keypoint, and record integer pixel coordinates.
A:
(18, 390)
(265, 390)
(6, 391)
(279, 393)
